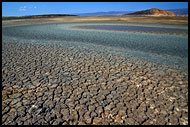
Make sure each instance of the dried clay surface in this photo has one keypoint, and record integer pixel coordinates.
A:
(61, 85)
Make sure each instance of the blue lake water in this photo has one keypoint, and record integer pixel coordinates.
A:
(133, 28)
(161, 48)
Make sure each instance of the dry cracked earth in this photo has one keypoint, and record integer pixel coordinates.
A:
(46, 85)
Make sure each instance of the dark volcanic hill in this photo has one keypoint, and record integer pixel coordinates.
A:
(153, 11)
(37, 16)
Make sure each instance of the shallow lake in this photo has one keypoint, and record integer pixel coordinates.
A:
(133, 28)
(162, 48)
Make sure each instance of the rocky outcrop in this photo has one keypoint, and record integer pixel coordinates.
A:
(153, 11)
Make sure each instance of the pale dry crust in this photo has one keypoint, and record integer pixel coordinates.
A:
(137, 19)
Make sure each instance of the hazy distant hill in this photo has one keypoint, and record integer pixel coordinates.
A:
(153, 11)
(105, 13)
(183, 11)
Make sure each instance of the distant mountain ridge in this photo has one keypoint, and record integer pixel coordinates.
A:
(182, 11)
(153, 11)
(178, 12)
(104, 13)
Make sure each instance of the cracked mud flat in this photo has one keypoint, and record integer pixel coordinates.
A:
(52, 84)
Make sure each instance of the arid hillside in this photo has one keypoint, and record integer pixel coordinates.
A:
(153, 11)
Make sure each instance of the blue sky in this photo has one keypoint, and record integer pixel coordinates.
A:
(36, 8)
